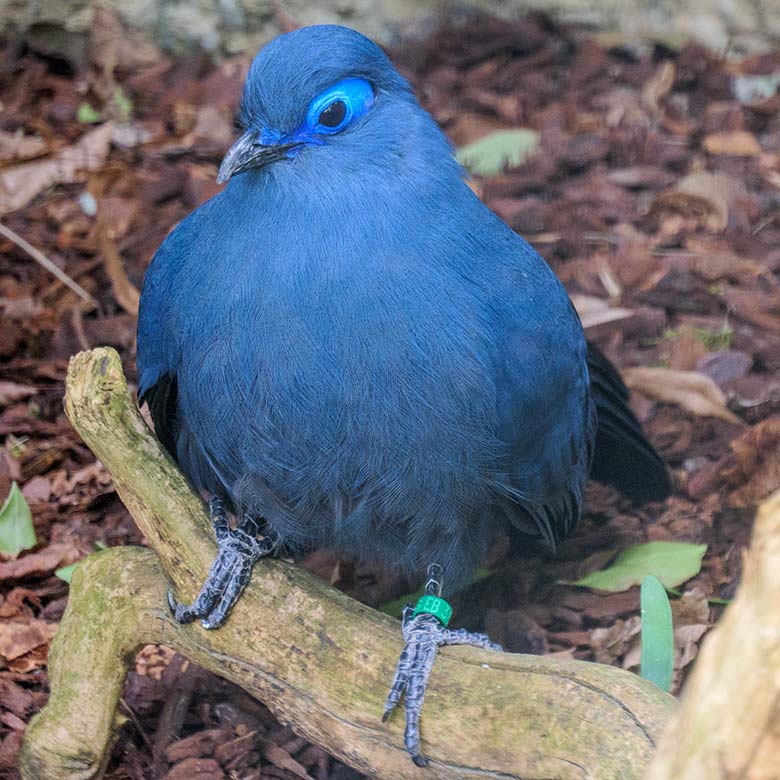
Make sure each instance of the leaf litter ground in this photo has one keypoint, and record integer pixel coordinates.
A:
(653, 192)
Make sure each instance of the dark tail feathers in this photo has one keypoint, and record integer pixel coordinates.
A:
(623, 457)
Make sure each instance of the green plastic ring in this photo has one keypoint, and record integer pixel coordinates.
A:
(433, 605)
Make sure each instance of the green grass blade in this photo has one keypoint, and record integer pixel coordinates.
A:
(657, 664)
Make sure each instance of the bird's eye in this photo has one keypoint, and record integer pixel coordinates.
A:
(339, 106)
(334, 114)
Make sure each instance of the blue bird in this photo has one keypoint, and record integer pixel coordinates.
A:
(347, 349)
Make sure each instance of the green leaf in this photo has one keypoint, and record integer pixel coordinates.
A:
(672, 562)
(65, 573)
(16, 525)
(88, 115)
(496, 151)
(395, 607)
(657, 664)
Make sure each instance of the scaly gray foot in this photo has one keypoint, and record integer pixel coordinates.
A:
(423, 635)
(239, 549)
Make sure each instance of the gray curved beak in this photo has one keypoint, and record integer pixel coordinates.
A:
(248, 153)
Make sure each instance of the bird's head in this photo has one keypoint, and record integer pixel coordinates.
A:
(327, 98)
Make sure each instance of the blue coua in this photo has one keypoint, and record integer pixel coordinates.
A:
(350, 351)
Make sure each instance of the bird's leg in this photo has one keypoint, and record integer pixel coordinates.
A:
(239, 549)
(425, 630)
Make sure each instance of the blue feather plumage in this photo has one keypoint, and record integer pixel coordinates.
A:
(348, 343)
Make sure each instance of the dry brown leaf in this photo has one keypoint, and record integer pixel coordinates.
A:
(125, 292)
(617, 641)
(16, 146)
(686, 644)
(29, 662)
(738, 143)
(691, 608)
(755, 306)
(18, 637)
(11, 392)
(755, 472)
(18, 603)
(19, 184)
(37, 489)
(691, 390)
(597, 311)
(658, 86)
(708, 197)
(38, 563)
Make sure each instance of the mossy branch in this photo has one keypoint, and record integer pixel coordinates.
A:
(321, 661)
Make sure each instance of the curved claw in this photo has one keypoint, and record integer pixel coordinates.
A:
(423, 636)
(181, 612)
(230, 572)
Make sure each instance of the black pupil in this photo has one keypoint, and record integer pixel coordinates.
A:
(334, 114)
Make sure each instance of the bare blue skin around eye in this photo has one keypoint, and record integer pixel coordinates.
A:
(356, 94)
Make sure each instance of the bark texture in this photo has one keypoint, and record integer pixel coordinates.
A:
(729, 723)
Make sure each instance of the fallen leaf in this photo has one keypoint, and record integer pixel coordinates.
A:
(691, 390)
(658, 86)
(19, 184)
(37, 489)
(597, 311)
(19, 603)
(35, 659)
(502, 149)
(671, 562)
(20, 637)
(11, 392)
(738, 143)
(125, 292)
(686, 644)
(755, 471)
(706, 196)
(725, 365)
(17, 146)
(39, 563)
(691, 608)
(16, 526)
(611, 644)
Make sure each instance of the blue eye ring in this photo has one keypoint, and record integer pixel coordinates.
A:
(356, 95)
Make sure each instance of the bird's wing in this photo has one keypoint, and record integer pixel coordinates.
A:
(623, 457)
(161, 398)
(157, 384)
(547, 421)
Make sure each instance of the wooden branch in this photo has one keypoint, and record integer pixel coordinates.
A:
(321, 661)
(729, 723)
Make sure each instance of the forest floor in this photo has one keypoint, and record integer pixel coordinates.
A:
(654, 194)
